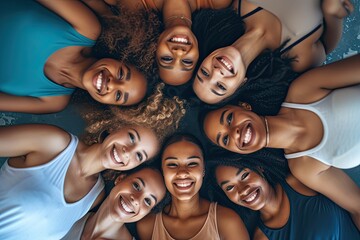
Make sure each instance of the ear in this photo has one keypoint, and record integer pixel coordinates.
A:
(245, 105)
(120, 178)
(103, 135)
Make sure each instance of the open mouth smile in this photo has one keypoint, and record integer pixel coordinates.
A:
(126, 206)
(226, 63)
(115, 156)
(251, 197)
(180, 39)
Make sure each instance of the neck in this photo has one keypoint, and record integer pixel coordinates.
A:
(284, 131)
(75, 72)
(273, 204)
(102, 225)
(185, 209)
(250, 45)
(89, 160)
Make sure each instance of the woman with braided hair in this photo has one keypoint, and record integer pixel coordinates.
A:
(317, 126)
(288, 209)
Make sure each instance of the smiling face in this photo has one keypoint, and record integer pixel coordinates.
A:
(183, 167)
(243, 186)
(235, 129)
(220, 75)
(177, 54)
(133, 197)
(110, 81)
(128, 148)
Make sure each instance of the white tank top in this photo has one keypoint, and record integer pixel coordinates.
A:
(340, 116)
(32, 203)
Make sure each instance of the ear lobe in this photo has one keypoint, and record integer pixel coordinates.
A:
(120, 178)
(245, 105)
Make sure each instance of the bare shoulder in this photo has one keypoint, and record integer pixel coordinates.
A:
(230, 225)
(145, 226)
(259, 235)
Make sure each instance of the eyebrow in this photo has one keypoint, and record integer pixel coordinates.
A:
(126, 97)
(128, 74)
(222, 123)
(170, 158)
(200, 79)
(216, 93)
(144, 185)
(194, 157)
(171, 67)
(226, 181)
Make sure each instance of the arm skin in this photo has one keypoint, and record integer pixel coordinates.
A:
(329, 181)
(25, 104)
(316, 83)
(145, 227)
(78, 15)
(230, 225)
(35, 144)
(259, 235)
(100, 7)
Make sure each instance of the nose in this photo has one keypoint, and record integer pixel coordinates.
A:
(182, 172)
(115, 84)
(126, 155)
(180, 49)
(243, 190)
(134, 199)
(235, 133)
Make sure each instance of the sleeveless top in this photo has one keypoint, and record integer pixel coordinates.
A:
(30, 34)
(209, 230)
(313, 218)
(339, 113)
(299, 19)
(32, 201)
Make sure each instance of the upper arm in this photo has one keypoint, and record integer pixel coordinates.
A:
(329, 181)
(100, 7)
(259, 235)
(77, 14)
(230, 225)
(37, 142)
(318, 82)
(145, 227)
(26, 104)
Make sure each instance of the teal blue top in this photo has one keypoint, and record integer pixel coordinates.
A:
(30, 33)
(313, 218)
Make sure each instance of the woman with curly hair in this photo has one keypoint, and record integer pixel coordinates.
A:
(288, 209)
(177, 48)
(270, 25)
(47, 53)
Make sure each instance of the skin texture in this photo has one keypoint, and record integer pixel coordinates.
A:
(297, 130)
(183, 170)
(220, 75)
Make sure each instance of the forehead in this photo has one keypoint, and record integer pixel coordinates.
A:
(176, 75)
(182, 149)
(225, 172)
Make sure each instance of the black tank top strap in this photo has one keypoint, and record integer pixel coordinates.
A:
(249, 13)
(300, 39)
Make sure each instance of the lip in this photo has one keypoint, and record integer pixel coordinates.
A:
(102, 79)
(180, 39)
(183, 185)
(252, 197)
(226, 63)
(114, 152)
(246, 130)
(126, 206)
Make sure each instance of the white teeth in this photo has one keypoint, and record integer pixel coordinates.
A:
(125, 206)
(251, 197)
(99, 81)
(247, 135)
(179, 40)
(116, 156)
(183, 184)
(228, 65)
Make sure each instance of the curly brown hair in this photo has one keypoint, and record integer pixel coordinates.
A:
(132, 37)
(159, 113)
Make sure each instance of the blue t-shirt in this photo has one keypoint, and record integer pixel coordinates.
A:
(313, 218)
(30, 34)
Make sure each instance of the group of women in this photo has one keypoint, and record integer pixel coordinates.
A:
(275, 132)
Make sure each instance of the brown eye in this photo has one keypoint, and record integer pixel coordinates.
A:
(229, 188)
(166, 59)
(219, 85)
(229, 118)
(244, 175)
(225, 140)
(187, 62)
(204, 72)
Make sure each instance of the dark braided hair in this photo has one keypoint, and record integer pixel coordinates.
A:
(269, 163)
